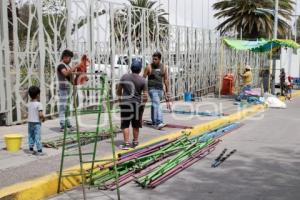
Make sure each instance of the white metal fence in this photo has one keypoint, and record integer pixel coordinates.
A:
(33, 35)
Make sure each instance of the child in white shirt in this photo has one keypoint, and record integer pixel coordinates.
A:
(35, 117)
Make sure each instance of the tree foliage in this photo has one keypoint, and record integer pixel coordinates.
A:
(253, 18)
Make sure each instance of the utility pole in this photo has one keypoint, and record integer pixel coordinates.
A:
(274, 38)
(276, 19)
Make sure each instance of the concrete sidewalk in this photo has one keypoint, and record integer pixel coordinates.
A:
(265, 166)
(20, 166)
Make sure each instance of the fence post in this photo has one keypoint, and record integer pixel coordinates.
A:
(16, 61)
(129, 38)
(112, 49)
(42, 53)
(91, 45)
(2, 77)
(7, 61)
(68, 24)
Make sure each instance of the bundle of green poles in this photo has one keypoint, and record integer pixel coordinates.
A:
(151, 165)
(86, 137)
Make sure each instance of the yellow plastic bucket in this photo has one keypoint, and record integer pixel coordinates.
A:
(13, 142)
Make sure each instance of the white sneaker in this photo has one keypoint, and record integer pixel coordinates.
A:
(125, 146)
(38, 153)
(160, 126)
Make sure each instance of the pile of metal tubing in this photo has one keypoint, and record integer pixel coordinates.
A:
(86, 137)
(151, 165)
(205, 114)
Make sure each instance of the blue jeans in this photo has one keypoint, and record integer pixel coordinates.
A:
(156, 111)
(34, 135)
(63, 100)
(246, 88)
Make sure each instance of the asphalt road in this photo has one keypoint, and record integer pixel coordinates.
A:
(266, 166)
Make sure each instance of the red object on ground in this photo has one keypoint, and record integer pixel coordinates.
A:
(81, 78)
(228, 85)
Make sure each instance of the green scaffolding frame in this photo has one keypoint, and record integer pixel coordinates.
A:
(104, 96)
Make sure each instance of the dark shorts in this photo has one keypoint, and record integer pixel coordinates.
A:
(131, 113)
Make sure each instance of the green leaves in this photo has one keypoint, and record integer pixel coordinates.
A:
(253, 18)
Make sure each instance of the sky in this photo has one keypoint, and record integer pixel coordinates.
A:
(198, 13)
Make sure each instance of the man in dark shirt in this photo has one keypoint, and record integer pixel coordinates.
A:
(282, 81)
(64, 72)
(132, 92)
(158, 85)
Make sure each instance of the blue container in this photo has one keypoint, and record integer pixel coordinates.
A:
(187, 96)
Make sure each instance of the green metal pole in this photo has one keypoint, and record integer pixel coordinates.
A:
(64, 142)
(79, 141)
(112, 142)
(103, 84)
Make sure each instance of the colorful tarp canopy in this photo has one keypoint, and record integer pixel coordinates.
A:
(260, 45)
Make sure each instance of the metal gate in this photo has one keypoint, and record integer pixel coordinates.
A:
(33, 34)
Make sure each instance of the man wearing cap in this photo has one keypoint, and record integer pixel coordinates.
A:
(132, 93)
(247, 79)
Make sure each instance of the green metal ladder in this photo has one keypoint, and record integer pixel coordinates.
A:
(104, 95)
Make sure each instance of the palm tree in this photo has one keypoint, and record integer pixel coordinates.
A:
(150, 5)
(154, 14)
(253, 18)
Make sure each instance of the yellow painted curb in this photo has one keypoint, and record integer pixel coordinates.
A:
(294, 94)
(46, 186)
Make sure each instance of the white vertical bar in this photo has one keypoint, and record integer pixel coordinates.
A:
(202, 16)
(290, 55)
(275, 37)
(185, 24)
(143, 40)
(157, 34)
(192, 13)
(91, 29)
(69, 24)
(112, 49)
(6, 62)
(296, 19)
(129, 38)
(170, 64)
(169, 11)
(2, 77)
(208, 14)
(91, 45)
(276, 19)
(42, 52)
(176, 14)
(16, 60)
